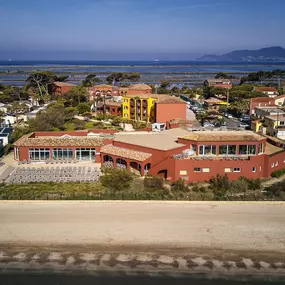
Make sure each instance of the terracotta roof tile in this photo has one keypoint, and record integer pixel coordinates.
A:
(125, 153)
(223, 136)
(140, 87)
(60, 84)
(266, 89)
(49, 141)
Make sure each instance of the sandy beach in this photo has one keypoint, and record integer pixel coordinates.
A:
(195, 236)
(235, 226)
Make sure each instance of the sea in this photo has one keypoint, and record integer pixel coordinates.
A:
(152, 72)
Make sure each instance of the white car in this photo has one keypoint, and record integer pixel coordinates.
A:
(230, 116)
(243, 125)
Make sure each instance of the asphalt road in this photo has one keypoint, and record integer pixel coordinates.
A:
(231, 123)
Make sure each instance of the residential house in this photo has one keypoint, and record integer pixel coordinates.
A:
(60, 88)
(261, 112)
(222, 83)
(279, 100)
(269, 91)
(260, 102)
(275, 125)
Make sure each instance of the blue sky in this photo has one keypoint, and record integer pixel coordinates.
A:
(137, 29)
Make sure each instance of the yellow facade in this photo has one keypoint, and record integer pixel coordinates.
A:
(138, 109)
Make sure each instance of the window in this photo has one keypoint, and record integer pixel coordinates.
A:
(228, 170)
(260, 148)
(260, 168)
(126, 100)
(197, 169)
(253, 169)
(247, 149)
(16, 153)
(281, 123)
(183, 172)
(205, 169)
(126, 115)
(62, 153)
(227, 149)
(276, 163)
(272, 165)
(207, 149)
(236, 169)
(85, 154)
(125, 107)
(39, 154)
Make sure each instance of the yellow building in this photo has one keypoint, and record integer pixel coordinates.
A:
(271, 123)
(139, 107)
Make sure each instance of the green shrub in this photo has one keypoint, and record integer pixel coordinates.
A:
(179, 186)
(153, 182)
(278, 173)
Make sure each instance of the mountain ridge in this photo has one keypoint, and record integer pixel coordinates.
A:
(275, 53)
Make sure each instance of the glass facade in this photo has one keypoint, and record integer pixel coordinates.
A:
(247, 149)
(17, 153)
(62, 153)
(85, 154)
(207, 149)
(39, 154)
(227, 149)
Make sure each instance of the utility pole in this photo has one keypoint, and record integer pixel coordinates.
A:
(228, 97)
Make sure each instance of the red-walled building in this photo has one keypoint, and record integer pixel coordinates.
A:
(260, 102)
(102, 89)
(110, 107)
(136, 89)
(169, 108)
(173, 154)
(60, 88)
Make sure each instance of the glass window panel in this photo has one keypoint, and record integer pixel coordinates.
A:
(232, 149)
(223, 149)
(243, 149)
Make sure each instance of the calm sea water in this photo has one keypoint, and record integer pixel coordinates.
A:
(187, 72)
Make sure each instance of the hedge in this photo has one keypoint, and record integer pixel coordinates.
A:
(278, 173)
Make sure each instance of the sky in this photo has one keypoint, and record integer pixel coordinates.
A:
(136, 29)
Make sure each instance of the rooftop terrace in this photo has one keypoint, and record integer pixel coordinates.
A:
(223, 136)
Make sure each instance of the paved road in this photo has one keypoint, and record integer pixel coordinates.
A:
(231, 123)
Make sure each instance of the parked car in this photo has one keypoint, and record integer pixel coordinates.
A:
(245, 118)
(230, 116)
(243, 125)
(208, 124)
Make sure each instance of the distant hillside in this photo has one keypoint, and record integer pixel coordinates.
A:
(264, 54)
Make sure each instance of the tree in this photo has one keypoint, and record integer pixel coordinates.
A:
(175, 90)
(116, 77)
(49, 119)
(223, 75)
(240, 107)
(42, 81)
(76, 95)
(116, 180)
(19, 131)
(91, 80)
(165, 84)
(17, 108)
(83, 107)
(134, 77)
